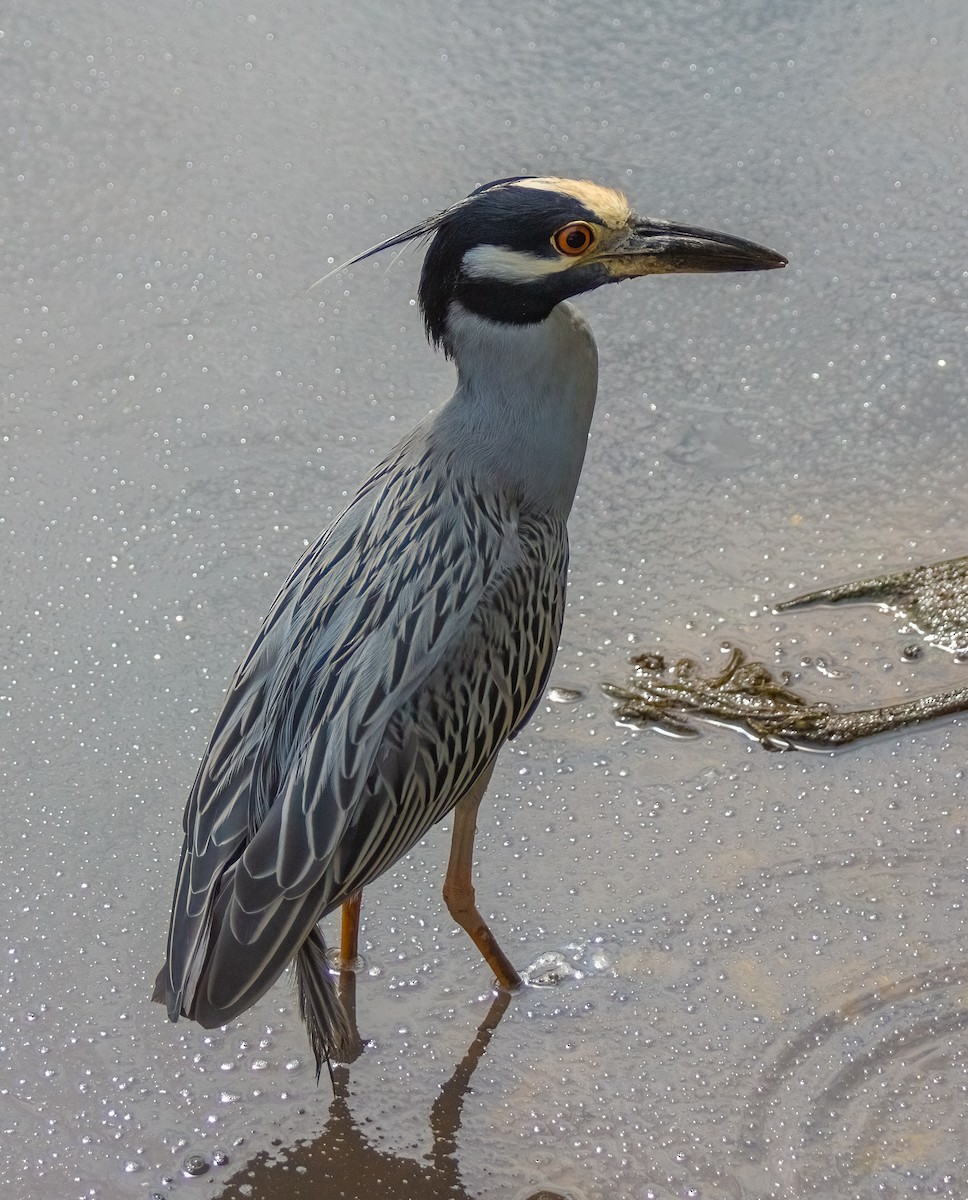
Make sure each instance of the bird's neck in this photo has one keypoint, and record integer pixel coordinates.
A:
(524, 402)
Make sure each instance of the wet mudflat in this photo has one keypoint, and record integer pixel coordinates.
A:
(761, 959)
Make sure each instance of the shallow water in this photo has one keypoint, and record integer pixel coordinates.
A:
(768, 994)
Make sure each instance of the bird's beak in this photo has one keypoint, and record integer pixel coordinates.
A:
(660, 247)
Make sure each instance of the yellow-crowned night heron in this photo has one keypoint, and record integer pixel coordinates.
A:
(416, 636)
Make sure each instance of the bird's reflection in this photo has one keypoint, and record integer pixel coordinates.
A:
(343, 1162)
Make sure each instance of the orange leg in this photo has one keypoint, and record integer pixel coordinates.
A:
(459, 888)
(349, 949)
(353, 1046)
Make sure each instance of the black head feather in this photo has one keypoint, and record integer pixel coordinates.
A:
(514, 217)
(498, 214)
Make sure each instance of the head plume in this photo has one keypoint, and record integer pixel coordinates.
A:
(419, 232)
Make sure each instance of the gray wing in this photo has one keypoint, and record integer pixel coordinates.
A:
(408, 643)
(480, 693)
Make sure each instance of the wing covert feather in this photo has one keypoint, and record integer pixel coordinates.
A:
(407, 644)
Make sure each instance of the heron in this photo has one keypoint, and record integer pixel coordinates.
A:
(416, 636)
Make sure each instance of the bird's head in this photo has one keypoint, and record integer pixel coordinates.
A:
(515, 248)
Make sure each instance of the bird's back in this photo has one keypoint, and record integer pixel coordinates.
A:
(406, 646)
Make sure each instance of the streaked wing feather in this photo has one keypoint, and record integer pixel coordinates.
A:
(407, 644)
(437, 744)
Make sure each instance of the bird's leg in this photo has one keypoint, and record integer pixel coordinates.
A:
(353, 1045)
(459, 888)
(349, 947)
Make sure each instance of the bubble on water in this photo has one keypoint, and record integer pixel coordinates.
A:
(194, 1164)
(547, 1194)
(549, 970)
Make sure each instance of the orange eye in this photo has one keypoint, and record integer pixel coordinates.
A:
(573, 239)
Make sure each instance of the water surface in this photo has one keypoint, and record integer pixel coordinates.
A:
(768, 994)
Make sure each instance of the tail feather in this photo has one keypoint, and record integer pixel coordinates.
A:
(329, 1028)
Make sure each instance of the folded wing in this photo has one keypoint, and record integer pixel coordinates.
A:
(406, 646)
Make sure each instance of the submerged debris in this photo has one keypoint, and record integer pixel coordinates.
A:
(746, 694)
(933, 599)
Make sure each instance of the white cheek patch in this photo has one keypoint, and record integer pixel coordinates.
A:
(511, 266)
